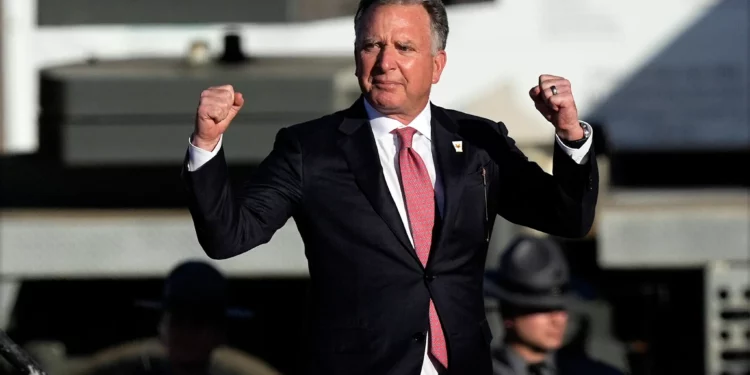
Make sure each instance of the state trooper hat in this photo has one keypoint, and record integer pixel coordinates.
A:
(533, 273)
(197, 289)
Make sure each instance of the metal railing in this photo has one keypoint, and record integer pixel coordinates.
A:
(17, 357)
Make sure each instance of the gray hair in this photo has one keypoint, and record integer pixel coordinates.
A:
(435, 8)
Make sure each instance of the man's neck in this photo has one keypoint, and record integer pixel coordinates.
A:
(403, 117)
(528, 354)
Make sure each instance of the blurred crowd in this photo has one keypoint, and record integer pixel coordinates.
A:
(529, 297)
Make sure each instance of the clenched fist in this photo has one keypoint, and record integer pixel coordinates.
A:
(217, 108)
(553, 98)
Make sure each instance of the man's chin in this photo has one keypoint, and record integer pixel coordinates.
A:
(552, 346)
(543, 347)
(385, 100)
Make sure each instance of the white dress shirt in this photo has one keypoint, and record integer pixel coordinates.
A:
(388, 146)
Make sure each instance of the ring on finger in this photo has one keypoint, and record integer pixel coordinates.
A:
(554, 90)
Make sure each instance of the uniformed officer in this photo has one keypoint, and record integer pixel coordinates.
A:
(195, 314)
(531, 285)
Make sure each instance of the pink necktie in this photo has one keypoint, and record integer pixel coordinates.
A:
(420, 207)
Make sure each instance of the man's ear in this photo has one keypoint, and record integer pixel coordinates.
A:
(438, 65)
(356, 61)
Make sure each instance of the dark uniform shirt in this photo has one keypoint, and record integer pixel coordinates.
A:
(141, 365)
(505, 361)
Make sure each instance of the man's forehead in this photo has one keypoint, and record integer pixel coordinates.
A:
(399, 14)
(404, 29)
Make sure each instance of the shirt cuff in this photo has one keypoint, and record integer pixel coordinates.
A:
(197, 156)
(579, 155)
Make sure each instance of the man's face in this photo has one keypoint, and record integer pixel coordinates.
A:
(544, 330)
(396, 66)
(189, 340)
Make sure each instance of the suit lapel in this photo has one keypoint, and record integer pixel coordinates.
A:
(360, 151)
(451, 164)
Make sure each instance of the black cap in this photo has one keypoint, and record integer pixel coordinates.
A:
(198, 289)
(195, 287)
(533, 273)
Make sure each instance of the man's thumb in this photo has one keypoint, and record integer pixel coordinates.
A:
(534, 93)
(239, 101)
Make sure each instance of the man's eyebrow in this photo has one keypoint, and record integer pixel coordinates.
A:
(400, 42)
(406, 42)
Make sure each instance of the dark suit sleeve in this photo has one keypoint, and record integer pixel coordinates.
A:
(229, 223)
(561, 204)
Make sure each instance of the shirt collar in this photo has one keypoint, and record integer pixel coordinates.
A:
(383, 126)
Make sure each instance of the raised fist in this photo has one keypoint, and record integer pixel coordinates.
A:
(217, 108)
(553, 98)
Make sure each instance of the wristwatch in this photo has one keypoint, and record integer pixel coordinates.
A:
(580, 142)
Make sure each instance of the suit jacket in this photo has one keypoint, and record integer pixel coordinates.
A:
(370, 293)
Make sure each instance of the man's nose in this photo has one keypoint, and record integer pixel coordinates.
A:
(560, 317)
(386, 58)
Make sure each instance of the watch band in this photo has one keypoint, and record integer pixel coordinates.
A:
(580, 142)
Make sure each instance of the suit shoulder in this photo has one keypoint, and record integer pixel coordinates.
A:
(463, 116)
(475, 129)
(467, 120)
(321, 124)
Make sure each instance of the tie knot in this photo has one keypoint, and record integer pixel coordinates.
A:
(406, 135)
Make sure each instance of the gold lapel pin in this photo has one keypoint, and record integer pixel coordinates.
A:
(459, 146)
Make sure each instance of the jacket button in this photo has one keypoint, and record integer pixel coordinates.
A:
(429, 278)
(419, 336)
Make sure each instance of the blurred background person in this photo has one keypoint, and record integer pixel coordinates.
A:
(532, 285)
(195, 314)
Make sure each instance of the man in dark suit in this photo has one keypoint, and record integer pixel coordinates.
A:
(395, 199)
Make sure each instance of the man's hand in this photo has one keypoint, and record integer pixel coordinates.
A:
(217, 108)
(558, 108)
